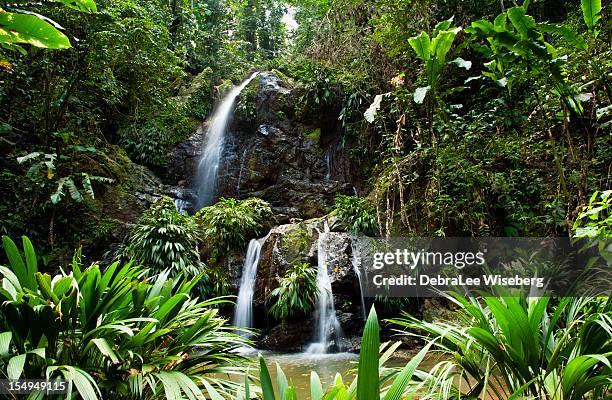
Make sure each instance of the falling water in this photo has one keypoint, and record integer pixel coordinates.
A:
(328, 165)
(328, 328)
(208, 167)
(241, 171)
(181, 205)
(356, 261)
(243, 314)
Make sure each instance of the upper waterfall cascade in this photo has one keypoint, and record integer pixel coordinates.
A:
(208, 165)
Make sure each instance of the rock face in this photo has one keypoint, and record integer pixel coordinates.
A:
(275, 152)
(290, 244)
(291, 156)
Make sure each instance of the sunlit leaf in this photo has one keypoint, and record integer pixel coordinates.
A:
(22, 28)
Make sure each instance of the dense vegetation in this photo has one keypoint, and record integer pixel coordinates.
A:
(458, 118)
(114, 334)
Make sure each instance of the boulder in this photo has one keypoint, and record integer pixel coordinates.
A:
(301, 242)
(287, 336)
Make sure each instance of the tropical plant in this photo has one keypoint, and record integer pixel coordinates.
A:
(508, 347)
(595, 219)
(433, 51)
(372, 380)
(112, 334)
(17, 28)
(296, 293)
(229, 223)
(523, 40)
(593, 225)
(43, 171)
(358, 214)
(164, 239)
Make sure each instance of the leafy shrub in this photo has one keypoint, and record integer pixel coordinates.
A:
(43, 172)
(514, 347)
(595, 220)
(148, 141)
(358, 214)
(112, 334)
(296, 294)
(228, 223)
(164, 239)
(246, 105)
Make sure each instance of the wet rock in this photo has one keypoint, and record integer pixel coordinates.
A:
(285, 246)
(273, 153)
(291, 244)
(288, 336)
(183, 159)
(352, 324)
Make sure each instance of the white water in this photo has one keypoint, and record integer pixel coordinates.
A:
(243, 314)
(240, 174)
(208, 167)
(356, 261)
(328, 328)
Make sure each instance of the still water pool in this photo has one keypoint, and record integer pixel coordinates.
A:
(297, 367)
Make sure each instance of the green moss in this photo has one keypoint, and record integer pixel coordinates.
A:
(225, 86)
(313, 134)
(281, 76)
(296, 242)
(246, 106)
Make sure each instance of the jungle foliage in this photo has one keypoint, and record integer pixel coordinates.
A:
(114, 333)
(296, 294)
(164, 239)
(467, 118)
(112, 76)
(229, 223)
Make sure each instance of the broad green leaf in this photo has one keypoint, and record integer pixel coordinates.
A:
(316, 389)
(523, 23)
(442, 26)
(88, 6)
(106, 349)
(591, 11)
(266, 382)
(281, 381)
(367, 372)
(44, 285)
(403, 378)
(440, 46)
(5, 343)
(569, 35)
(24, 28)
(421, 45)
(16, 262)
(31, 261)
(14, 369)
(574, 370)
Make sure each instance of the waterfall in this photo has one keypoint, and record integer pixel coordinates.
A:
(328, 165)
(208, 167)
(181, 205)
(243, 314)
(356, 261)
(240, 174)
(328, 328)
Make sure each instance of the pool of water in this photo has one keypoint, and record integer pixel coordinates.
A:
(297, 367)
